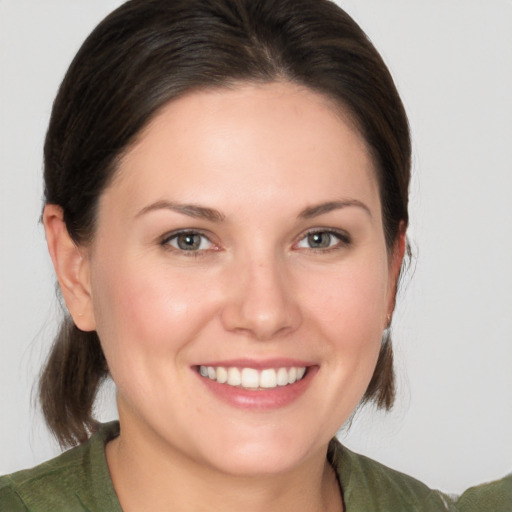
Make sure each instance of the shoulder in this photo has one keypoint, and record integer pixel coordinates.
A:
(76, 480)
(9, 500)
(491, 497)
(370, 486)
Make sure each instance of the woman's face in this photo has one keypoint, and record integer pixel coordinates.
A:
(242, 239)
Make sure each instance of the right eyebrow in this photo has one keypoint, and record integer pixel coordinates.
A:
(320, 209)
(191, 210)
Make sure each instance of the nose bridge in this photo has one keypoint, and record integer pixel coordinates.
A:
(262, 302)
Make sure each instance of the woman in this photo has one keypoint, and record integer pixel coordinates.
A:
(226, 206)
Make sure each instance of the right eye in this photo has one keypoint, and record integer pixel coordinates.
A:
(189, 241)
(324, 240)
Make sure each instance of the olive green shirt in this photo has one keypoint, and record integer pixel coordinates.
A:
(79, 480)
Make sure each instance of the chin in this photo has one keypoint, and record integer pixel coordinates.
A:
(257, 464)
(263, 454)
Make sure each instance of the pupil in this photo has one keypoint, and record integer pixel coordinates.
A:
(319, 240)
(189, 242)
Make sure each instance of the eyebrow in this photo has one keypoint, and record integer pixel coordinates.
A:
(320, 209)
(202, 212)
(192, 210)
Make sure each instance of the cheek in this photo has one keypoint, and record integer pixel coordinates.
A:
(143, 309)
(351, 304)
(349, 311)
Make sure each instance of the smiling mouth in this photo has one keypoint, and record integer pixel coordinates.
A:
(252, 379)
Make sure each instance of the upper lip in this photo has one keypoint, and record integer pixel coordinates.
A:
(258, 364)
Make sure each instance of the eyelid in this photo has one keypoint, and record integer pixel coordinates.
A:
(344, 238)
(165, 241)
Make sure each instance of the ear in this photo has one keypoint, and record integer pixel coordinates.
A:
(395, 265)
(71, 265)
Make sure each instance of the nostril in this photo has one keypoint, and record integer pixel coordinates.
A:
(261, 302)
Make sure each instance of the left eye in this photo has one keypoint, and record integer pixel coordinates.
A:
(188, 241)
(322, 240)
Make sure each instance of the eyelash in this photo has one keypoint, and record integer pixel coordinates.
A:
(166, 243)
(344, 240)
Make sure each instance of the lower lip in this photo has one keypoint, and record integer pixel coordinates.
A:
(260, 399)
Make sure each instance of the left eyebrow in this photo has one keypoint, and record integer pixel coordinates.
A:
(320, 209)
(191, 210)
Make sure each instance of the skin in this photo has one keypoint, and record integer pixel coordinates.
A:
(263, 157)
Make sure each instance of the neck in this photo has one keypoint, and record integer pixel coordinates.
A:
(146, 477)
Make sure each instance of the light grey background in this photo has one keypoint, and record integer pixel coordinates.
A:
(452, 60)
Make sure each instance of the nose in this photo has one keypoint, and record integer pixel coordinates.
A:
(261, 302)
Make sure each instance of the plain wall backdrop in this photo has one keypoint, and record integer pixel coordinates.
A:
(452, 62)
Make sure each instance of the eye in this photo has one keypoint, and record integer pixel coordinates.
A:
(323, 239)
(190, 241)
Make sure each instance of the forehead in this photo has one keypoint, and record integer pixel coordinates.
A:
(278, 134)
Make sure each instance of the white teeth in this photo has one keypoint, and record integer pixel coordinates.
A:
(268, 379)
(282, 376)
(222, 375)
(251, 378)
(234, 378)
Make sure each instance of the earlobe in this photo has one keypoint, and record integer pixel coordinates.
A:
(71, 266)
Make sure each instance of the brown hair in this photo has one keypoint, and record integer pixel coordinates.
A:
(148, 52)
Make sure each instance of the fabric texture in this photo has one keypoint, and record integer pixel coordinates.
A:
(492, 497)
(79, 480)
(76, 481)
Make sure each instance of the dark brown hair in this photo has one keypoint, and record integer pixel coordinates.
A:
(148, 52)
